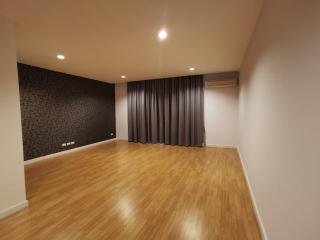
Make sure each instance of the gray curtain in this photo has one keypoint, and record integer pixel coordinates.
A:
(168, 111)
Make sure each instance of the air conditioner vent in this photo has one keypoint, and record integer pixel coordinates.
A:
(221, 83)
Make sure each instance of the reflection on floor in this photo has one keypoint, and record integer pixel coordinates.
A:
(124, 190)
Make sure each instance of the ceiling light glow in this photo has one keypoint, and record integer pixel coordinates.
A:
(123, 76)
(192, 69)
(60, 56)
(162, 34)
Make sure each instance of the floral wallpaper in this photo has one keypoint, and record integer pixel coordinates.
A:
(57, 108)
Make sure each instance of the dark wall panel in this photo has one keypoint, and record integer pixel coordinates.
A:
(57, 108)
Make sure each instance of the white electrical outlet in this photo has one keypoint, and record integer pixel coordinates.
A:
(72, 143)
(63, 144)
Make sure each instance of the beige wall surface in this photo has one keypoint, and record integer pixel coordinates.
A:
(12, 182)
(121, 111)
(221, 116)
(279, 118)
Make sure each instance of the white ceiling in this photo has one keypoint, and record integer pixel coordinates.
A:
(104, 39)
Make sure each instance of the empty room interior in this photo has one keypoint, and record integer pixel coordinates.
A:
(180, 120)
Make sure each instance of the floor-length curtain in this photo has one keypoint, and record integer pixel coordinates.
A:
(168, 111)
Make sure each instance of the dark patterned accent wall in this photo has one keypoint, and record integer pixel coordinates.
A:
(57, 108)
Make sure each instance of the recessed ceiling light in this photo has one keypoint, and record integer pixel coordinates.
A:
(162, 34)
(123, 76)
(60, 56)
(192, 69)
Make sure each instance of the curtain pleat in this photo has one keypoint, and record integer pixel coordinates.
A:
(168, 111)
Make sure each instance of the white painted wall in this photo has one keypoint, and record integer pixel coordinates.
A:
(221, 116)
(279, 118)
(12, 182)
(121, 111)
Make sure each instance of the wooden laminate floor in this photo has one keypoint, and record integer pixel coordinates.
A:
(123, 190)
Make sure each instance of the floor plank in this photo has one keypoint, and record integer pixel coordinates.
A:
(123, 190)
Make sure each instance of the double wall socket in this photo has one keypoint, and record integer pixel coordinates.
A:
(67, 144)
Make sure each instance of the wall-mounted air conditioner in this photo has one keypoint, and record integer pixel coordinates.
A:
(221, 83)
(221, 80)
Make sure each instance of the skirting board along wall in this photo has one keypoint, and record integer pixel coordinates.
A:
(253, 198)
(30, 161)
(58, 108)
(220, 146)
(13, 209)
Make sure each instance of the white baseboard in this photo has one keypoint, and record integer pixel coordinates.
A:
(30, 161)
(220, 146)
(13, 209)
(122, 139)
(253, 198)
